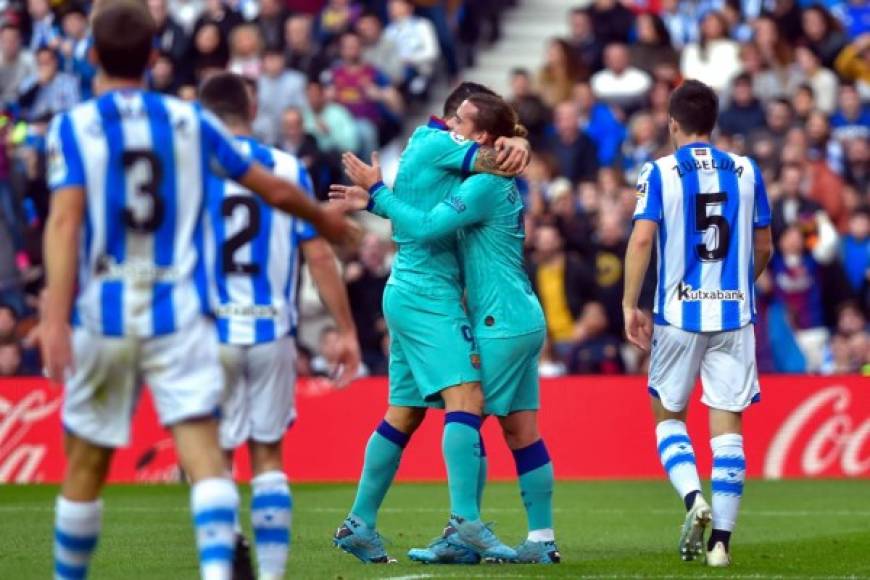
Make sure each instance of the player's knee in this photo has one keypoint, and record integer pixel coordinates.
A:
(405, 419)
(86, 471)
(265, 457)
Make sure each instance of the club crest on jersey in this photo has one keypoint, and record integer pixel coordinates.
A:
(686, 293)
(475, 360)
(458, 138)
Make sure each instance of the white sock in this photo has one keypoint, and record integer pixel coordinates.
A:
(215, 504)
(677, 456)
(729, 473)
(543, 535)
(76, 530)
(271, 515)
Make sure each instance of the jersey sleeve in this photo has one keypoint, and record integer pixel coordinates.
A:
(291, 169)
(453, 152)
(762, 216)
(649, 194)
(469, 205)
(225, 157)
(64, 159)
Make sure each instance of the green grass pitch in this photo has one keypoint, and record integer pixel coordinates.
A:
(605, 530)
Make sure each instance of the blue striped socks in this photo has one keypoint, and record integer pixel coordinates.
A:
(271, 516)
(76, 530)
(459, 443)
(678, 457)
(535, 474)
(383, 453)
(729, 473)
(214, 504)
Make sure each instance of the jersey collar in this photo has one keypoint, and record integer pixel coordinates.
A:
(696, 145)
(437, 123)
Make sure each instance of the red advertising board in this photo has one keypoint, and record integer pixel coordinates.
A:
(595, 427)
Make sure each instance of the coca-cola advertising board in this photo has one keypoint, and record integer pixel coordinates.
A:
(595, 427)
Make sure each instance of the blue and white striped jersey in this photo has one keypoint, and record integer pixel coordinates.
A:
(251, 253)
(707, 203)
(142, 159)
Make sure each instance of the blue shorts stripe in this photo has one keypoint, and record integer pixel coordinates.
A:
(653, 392)
(68, 572)
(272, 536)
(532, 457)
(392, 434)
(271, 501)
(216, 554)
(673, 440)
(215, 516)
(679, 459)
(729, 463)
(756, 398)
(727, 487)
(469, 419)
(75, 543)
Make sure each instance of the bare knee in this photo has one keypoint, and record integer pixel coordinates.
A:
(86, 470)
(467, 397)
(662, 414)
(405, 419)
(724, 422)
(196, 442)
(520, 429)
(266, 457)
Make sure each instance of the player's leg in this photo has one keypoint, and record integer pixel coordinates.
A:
(730, 379)
(104, 370)
(674, 365)
(271, 376)
(184, 374)
(460, 445)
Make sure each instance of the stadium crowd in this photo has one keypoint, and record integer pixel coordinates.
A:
(336, 75)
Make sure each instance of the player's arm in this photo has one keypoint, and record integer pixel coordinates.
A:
(762, 248)
(509, 157)
(647, 216)
(762, 238)
(324, 270)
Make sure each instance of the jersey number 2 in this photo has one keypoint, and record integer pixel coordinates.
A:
(147, 173)
(705, 221)
(242, 237)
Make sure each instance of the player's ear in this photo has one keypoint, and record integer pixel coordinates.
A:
(152, 58)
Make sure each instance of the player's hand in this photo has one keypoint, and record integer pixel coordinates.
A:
(638, 327)
(354, 197)
(514, 154)
(359, 172)
(56, 348)
(336, 228)
(348, 360)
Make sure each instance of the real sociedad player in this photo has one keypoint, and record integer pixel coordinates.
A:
(123, 263)
(708, 215)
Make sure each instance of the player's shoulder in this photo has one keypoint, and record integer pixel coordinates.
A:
(743, 166)
(489, 181)
(284, 163)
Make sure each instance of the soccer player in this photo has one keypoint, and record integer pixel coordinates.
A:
(122, 260)
(434, 360)
(252, 256)
(506, 316)
(708, 214)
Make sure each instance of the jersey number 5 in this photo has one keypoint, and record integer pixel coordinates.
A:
(704, 221)
(146, 174)
(228, 208)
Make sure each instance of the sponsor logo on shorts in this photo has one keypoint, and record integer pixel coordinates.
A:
(686, 293)
(475, 361)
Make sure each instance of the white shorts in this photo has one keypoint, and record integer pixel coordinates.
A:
(182, 371)
(725, 360)
(261, 394)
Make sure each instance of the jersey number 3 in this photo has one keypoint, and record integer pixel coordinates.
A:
(228, 208)
(704, 221)
(146, 174)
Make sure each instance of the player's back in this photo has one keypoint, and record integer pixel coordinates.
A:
(501, 300)
(428, 172)
(251, 253)
(707, 203)
(141, 158)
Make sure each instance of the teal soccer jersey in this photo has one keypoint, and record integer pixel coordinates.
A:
(507, 318)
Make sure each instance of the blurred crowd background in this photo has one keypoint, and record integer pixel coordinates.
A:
(793, 78)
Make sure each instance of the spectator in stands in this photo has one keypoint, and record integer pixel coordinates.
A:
(653, 44)
(11, 288)
(822, 80)
(221, 15)
(620, 84)
(564, 285)
(744, 112)
(850, 345)
(163, 77)
(210, 50)
(301, 52)
(48, 91)
(608, 253)
(330, 123)
(599, 122)
(586, 46)
(566, 214)
(378, 50)
(611, 21)
(277, 89)
(779, 117)
(336, 18)
(804, 103)
(170, 38)
(858, 166)
(852, 118)
(642, 145)
(367, 94)
(595, 349)
(533, 113)
(794, 207)
(186, 13)
(797, 284)
(561, 71)
(712, 60)
(74, 49)
(44, 31)
(575, 153)
(855, 254)
(296, 141)
(271, 20)
(10, 359)
(418, 47)
(366, 279)
(681, 24)
(823, 33)
(246, 46)
(821, 146)
(16, 63)
(770, 61)
(853, 64)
